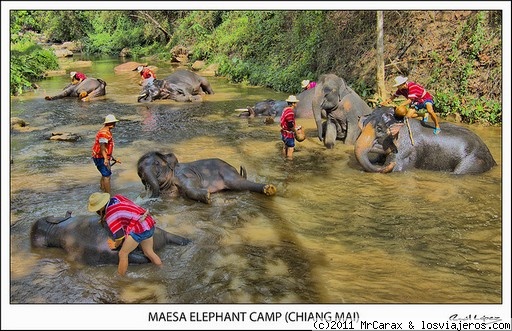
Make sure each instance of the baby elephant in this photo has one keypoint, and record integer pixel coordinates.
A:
(195, 180)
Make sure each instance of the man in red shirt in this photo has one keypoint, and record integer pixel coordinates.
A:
(129, 224)
(307, 85)
(145, 73)
(102, 151)
(77, 77)
(417, 97)
(288, 127)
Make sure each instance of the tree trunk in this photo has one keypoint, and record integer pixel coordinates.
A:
(381, 86)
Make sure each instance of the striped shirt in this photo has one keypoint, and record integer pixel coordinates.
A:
(122, 217)
(414, 92)
(288, 123)
(104, 136)
(80, 76)
(147, 73)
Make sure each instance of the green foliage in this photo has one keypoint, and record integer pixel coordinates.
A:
(280, 48)
(456, 89)
(28, 63)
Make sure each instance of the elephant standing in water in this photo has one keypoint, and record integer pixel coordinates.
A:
(182, 86)
(85, 239)
(456, 150)
(86, 90)
(195, 180)
(341, 106)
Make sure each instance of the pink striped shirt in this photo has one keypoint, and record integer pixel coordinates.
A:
(414, 92)
(288, 122)
(123, 214)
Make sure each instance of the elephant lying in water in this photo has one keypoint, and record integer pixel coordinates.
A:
(85, 239)
(195, 180)
(275, 108)
(182, 85)
(456, 149)
(86, 90)
(341, 106)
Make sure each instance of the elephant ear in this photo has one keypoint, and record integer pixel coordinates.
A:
(171, 160)
(391, 125)
(54, 220)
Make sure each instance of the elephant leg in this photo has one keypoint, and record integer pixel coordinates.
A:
(470, 165)
(194, 193)
(191, 188)
(99, 91)
(241, 184)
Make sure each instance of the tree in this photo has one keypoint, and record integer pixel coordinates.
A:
(381, 86)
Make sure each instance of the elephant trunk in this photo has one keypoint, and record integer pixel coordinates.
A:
(150, 180)
(364, 145)
(320, 129)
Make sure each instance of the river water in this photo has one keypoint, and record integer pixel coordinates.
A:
(333, 234)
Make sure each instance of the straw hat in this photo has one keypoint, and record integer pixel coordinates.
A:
(97, 201)
(292, 98)
(304, 83)
(139, 68)
(72, 74)
(110, 119)
(400, 80)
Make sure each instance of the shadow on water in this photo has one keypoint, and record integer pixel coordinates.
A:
(332, 233)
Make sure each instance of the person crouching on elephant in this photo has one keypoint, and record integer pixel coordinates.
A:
(102, 150)
(307, 85)
(77, 77)
(129, 224)
(417, 97)
(145, 74)
(288, 127)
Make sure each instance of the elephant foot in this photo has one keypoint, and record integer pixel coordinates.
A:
(269, 189)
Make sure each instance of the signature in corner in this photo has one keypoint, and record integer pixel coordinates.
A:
(475, 317)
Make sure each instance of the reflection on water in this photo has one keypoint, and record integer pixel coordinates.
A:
(332, 234)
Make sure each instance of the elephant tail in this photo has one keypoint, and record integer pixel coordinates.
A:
(243, 172)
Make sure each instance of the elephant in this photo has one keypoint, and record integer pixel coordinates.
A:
(269, 107)
(275, 108)
(86, 90)
(342, 108)
(195, 180)
(182, 86)
(456, 149)
(84, 239)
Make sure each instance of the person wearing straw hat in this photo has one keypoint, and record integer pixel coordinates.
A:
(145, 73)
(129, 224)
(288, 127)
(416, 97)
(102, 150)
(77, 77)
(307, 84)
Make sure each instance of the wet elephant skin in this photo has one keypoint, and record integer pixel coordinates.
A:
(84, 239)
